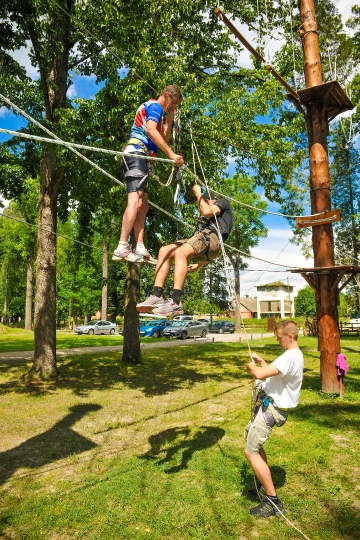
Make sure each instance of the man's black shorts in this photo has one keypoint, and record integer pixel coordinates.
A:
(136, 172)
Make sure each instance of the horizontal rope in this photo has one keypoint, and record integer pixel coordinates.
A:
(23, 113)
(81, 146)
(118, 153)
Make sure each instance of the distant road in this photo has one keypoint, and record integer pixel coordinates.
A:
(21, 356)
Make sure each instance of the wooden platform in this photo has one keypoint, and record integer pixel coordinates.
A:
(331, 94)
(310, 274)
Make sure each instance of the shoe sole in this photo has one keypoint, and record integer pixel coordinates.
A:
(173, 313)
(145, 309)
(124, 259)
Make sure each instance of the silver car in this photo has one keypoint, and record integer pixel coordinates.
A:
(96, 327)
(185, 329)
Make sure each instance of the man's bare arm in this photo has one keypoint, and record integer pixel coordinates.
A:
(159, 140)
(206, 210)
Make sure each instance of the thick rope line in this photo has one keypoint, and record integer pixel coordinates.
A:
(94, 148)
(253, 284)
(118, 153)
(81, 146)
(246, 255)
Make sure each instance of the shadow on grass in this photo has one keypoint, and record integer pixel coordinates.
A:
(58, 442)
(162, 371)
(177, 440)
(333, 414)
(278, 475)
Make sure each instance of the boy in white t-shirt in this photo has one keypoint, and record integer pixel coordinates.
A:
(279, 392)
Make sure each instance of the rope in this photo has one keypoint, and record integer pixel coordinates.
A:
(81, 146)
(252, 285)
(71, 147)
(123, 185)
(229, 281)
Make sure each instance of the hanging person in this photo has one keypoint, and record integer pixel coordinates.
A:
(202, 247)
(148, 134)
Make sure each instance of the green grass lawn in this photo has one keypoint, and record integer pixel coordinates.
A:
(16, 339)
(155, 451)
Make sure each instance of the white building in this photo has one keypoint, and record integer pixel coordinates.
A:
(275, 300)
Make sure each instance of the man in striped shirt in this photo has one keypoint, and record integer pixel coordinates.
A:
(148, 134)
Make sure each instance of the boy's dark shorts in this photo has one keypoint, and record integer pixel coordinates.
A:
(136, 172)
(199, 244)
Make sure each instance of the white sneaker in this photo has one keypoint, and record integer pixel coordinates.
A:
(146, 256)
(125, 254)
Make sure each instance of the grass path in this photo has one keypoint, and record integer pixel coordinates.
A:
(155, 451)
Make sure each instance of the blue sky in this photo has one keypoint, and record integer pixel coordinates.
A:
(276, 247)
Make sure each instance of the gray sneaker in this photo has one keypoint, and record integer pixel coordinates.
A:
(126, 254)
(146, 256)
(267, 508)
(169, 308)
(150, 303)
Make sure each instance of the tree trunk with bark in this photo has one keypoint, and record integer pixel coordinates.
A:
(29, 287)
(131, 350)
(54, 85)
(45, 298)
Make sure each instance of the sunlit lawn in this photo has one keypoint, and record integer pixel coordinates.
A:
(15, 339)
(155, 451)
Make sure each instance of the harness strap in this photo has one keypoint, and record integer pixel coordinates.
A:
(143, 146)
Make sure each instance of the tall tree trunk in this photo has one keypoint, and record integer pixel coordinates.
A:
(105, 275)
(131, 350)
(53, 82)
(45, 296)
(29, 286)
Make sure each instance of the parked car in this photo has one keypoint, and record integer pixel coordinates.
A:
(185, 329)
(96, 327)
(219, 327)
(207, 321)
(178, 318)
(153, 328)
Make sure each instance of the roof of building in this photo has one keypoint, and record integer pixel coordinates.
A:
(249, 303)
(275, 284)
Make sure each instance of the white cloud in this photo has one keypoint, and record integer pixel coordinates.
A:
(3, 112)
(344, 8)
(275, 248)
(71, 93)
(22, 56)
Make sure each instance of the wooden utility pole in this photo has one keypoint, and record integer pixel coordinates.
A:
(319, 103)
(322, 235)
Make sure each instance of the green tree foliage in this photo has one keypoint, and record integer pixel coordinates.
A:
(192, 49)
(305, 302)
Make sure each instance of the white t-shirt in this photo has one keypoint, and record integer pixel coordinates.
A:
(285, 387)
